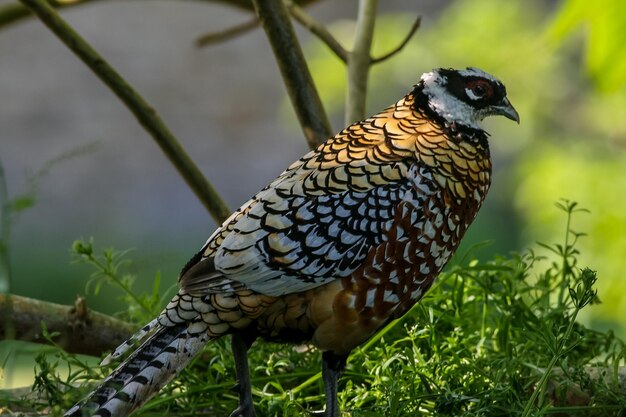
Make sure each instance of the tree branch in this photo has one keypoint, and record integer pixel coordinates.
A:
(12, 13)
(144, 113)
(249, 4)
(359, 62)
(294, 70)
(80, 330)
(317, 29)
(224, 35)
(405, 41)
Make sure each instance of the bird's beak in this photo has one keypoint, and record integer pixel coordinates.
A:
(507, 110)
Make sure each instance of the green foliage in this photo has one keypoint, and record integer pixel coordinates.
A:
(490, 339)
(108, 270)
(55, 374)
(604, 25)
(594, 174)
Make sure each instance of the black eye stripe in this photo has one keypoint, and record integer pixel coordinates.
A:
(456, 83)
(479, 89)
(459, 85)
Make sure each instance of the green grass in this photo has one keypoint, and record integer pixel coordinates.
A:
(498, 338)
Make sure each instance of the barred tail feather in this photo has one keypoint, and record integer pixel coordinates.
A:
(134, 340)
(163, 354)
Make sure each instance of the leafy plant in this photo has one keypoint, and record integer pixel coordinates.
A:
(498, 338)
(108, 266)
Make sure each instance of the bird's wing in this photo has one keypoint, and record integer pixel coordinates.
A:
(317, 221)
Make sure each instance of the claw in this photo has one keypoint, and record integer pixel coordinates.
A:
(244, 410)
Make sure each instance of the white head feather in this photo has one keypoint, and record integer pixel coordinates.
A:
(446, 105)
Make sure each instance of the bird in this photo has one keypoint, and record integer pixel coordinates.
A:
(345, 240)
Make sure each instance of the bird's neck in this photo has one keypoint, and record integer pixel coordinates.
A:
(461, 163)
(457, 131)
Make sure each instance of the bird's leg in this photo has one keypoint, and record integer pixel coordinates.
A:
(332, 368)
(240, 345)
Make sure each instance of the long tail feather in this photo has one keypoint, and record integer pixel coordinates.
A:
(163, 354)
(134, 340)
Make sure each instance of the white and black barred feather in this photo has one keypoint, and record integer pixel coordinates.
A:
(161, 356)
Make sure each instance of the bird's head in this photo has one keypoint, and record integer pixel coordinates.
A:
(465, 97)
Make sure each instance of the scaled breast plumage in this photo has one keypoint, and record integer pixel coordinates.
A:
(322, 216)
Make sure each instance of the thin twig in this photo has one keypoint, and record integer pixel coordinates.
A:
(144, 113)
(248, 4)
(224, 35)
(12, 13)
(359, 62)
(294, 70)
(405, 41)
(317, 29)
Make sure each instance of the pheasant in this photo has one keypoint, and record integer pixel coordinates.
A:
(345, 240)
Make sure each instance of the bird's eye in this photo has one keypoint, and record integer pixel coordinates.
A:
(478, 89)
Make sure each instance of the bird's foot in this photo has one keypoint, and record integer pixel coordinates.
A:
(244, 410)
(317, 413)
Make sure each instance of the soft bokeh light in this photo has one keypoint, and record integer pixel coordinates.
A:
(571, 142)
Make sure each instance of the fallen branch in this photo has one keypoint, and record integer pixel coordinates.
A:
(79, 330)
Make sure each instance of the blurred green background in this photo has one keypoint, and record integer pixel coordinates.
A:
(564, 65)
(77, 165)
